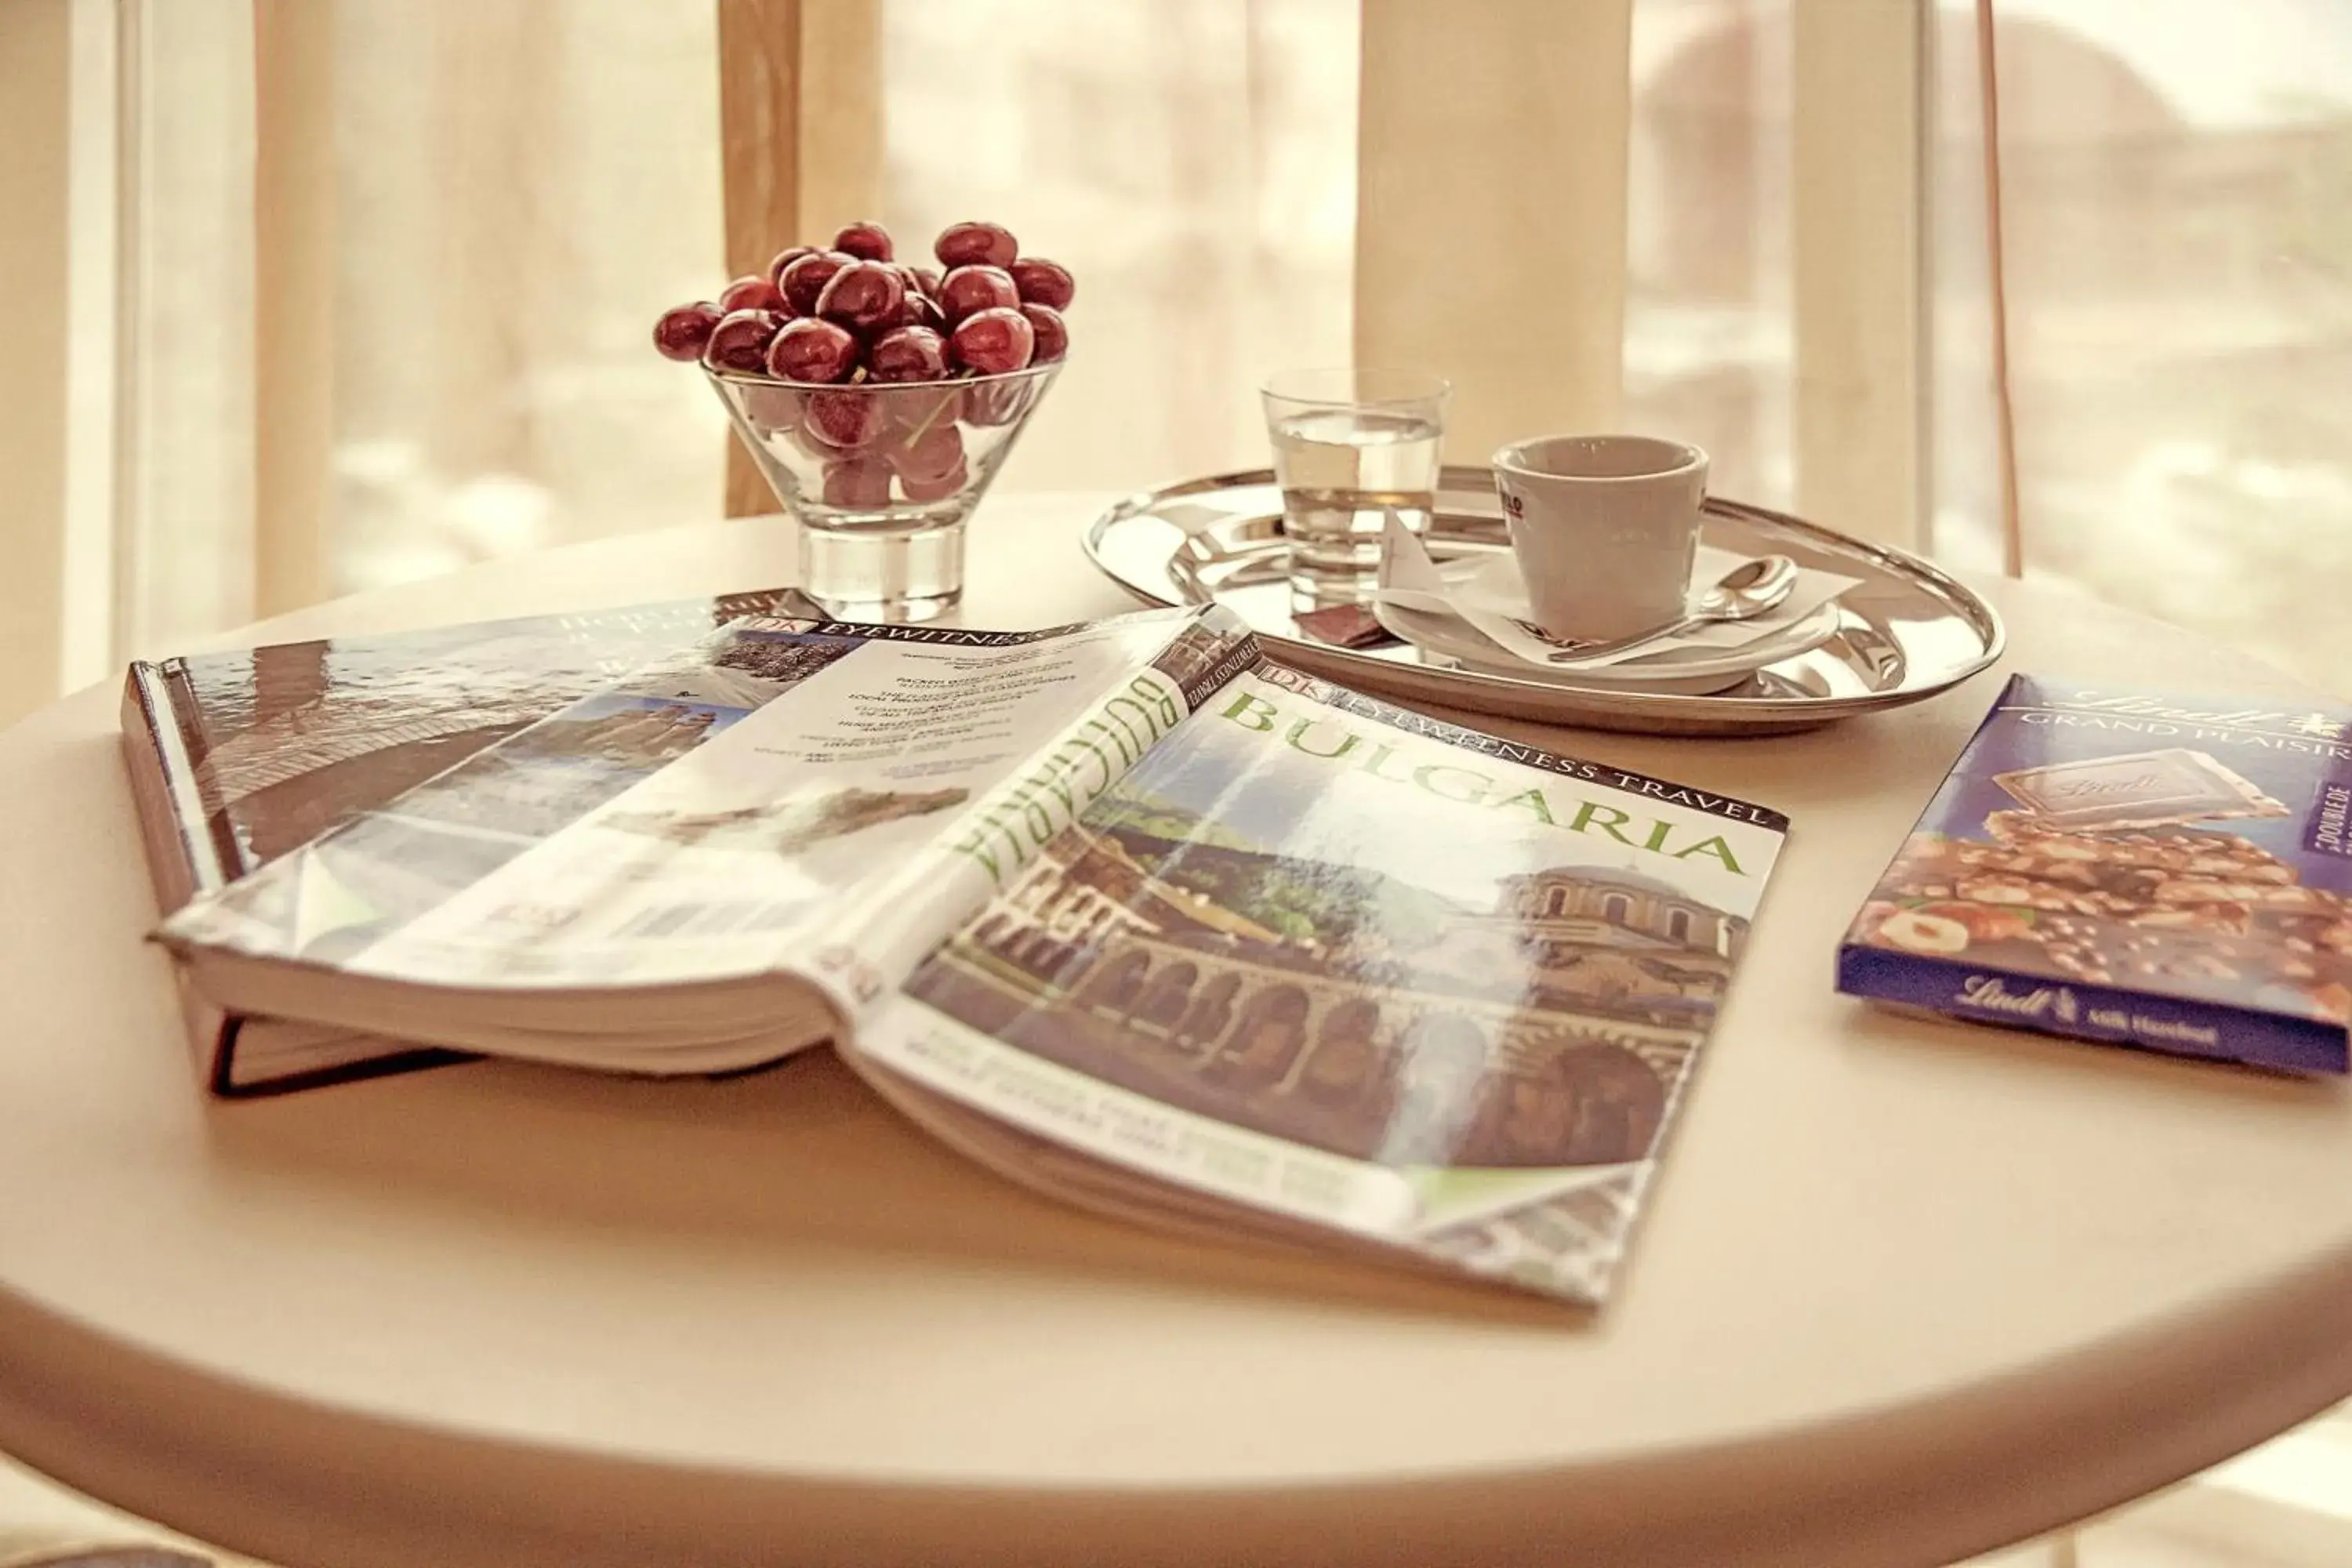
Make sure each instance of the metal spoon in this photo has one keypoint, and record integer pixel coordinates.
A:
(1746, 590)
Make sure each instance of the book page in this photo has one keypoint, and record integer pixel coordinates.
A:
(712, 816)
(1355, 967)
(287, 740)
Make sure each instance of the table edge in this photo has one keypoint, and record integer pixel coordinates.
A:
(1941, 1479)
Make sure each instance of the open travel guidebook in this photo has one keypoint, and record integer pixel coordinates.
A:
(1122, 910)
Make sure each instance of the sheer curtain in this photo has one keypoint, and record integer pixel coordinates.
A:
(516, 182)
(1790, 264)
(2174, 185)
(2177, 197)
(1193, 162)
(35, 45)
(517, 186)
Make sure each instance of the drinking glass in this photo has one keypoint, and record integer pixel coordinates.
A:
(1350, 445)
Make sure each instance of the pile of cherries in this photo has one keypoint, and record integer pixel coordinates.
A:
(852, 313)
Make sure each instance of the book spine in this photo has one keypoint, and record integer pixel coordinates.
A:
(183, 858)
(887, 929)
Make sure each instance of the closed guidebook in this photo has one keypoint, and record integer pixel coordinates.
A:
(237, 757)
(1122, 910)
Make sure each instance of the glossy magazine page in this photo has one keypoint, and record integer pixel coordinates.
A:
(237, 757)
(1360, 970)
(714, 816)
(286, 742)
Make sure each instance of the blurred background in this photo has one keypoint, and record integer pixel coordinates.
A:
(514, 188)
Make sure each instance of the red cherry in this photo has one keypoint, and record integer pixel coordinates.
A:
(970, 289)
(856, 482)
(773, 410)
(1052, 333)
(739, 341)
(804, 279)
(683, 330)
(929, 454)
(976, 244)
(785, 259)
(922, 307)
(866, 241)
(1044, 282)
(994, 341)
(752, 293)
(809, 350)
(921, 310)
(843, 418)
(867, 295)
(907, 353)
(935, 487)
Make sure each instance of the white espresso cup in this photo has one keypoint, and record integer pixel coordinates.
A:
(1605, 529)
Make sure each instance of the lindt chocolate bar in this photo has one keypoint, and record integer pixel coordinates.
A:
(2166, 871)
(2146, 789)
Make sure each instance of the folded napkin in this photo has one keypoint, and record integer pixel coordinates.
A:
(1493, 601)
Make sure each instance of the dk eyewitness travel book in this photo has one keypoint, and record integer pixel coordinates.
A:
(1122, 910)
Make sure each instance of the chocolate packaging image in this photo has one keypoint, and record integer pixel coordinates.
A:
(2165, 870)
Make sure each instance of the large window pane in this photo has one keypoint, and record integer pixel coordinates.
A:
(1193, 162)
(523, 185)
(2177, 205)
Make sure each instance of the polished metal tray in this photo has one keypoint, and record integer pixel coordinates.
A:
(1907, 632)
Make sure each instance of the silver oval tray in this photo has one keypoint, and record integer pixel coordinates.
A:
(1908, 632)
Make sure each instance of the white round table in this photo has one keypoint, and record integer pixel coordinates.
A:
(1908, 1290)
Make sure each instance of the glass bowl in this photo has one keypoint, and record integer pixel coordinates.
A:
(882, 477)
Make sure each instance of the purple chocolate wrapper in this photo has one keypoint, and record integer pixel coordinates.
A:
(2155, 869)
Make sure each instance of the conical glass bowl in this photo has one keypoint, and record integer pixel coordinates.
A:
(882, 479)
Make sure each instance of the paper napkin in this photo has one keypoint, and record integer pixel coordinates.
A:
(1493, 600)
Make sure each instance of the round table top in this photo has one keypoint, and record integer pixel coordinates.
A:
(1907, 1290)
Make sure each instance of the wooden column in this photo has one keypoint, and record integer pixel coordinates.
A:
(36, 43)
(1490, 208)
(800, 108)
(294, 300)
(1861, 308)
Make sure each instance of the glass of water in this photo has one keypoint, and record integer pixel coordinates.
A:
(1350, 447)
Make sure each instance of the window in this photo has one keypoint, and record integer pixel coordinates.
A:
(512, 191)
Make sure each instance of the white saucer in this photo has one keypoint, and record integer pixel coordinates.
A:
(1674, 667)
